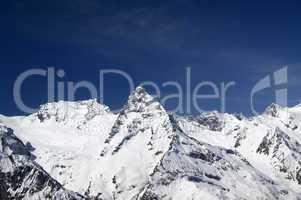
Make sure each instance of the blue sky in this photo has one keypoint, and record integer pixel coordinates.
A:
(221, 41)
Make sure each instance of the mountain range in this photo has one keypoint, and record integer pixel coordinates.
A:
(82, 150)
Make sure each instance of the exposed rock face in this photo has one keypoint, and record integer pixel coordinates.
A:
(212, 120)
(273, 110)
(284, 153)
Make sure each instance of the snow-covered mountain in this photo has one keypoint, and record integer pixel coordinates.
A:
(144, 152)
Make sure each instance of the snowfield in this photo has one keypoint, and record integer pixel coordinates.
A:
(143, 152)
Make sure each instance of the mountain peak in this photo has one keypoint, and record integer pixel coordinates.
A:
(73, 111)
(139, 94)
(140, 89)
(273, 110)
(141, 108)
(139, 100)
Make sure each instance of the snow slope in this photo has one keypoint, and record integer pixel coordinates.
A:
(21, 177)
